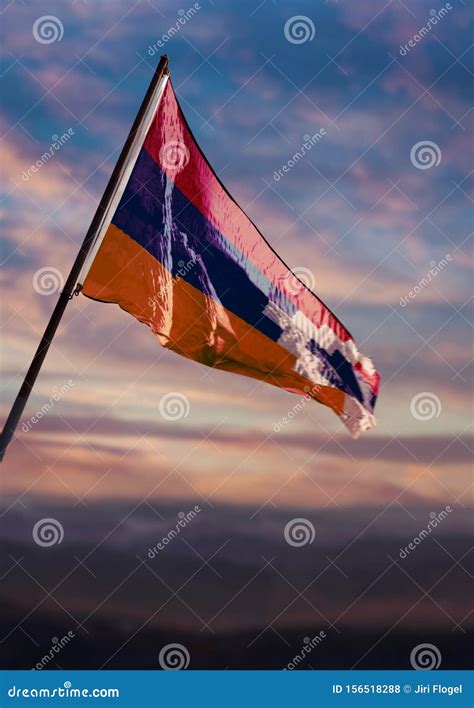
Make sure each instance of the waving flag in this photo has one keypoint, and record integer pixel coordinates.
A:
(181, 256)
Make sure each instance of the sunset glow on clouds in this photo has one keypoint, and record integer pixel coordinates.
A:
(355, 211)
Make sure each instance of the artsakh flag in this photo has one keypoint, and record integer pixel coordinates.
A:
(182, 257)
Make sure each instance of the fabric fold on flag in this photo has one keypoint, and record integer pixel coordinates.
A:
(182, 257)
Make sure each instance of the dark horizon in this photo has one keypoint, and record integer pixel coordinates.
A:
(366, 596)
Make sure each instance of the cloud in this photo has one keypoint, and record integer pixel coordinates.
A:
(355, 211)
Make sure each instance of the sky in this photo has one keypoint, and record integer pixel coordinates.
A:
(383, 198)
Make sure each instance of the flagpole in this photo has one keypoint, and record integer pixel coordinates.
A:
(70, 285)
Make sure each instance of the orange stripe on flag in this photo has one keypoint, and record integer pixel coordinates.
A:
(191, 323)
